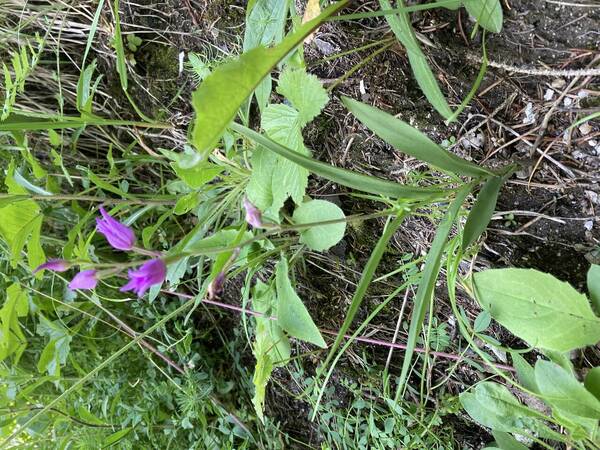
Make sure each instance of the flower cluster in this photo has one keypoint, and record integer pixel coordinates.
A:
(121, 237)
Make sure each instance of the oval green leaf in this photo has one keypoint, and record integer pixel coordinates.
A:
(411, 141)
(538, 308)
(592, 382)
(321, 237)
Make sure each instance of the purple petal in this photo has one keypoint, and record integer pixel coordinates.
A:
(253, 214)
(150, 273)
(118, 235)
(57, 265)
(86, 279)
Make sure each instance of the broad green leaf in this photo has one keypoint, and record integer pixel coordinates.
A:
(538, 308)
(593, 285)
(592, 382)
(482, 211)
(292, 315)
(525, 372)
(402, 28)
(57, 350)
(21, 223)
(12, 338)
(281, 123)
(492, 405)
(223, 92)
(506, 442)
(411, 141)
(197, 176)
(488, 13)
(344, 177)
(561, 390)
(304, 92)
(323, 237)
(260, 186)
(429, 276)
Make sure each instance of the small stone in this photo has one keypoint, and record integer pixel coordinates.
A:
(558, 83)
(588, 225)
(549, 95)
(568, 101)
(585, 129)
(324, 47)
(529, 114)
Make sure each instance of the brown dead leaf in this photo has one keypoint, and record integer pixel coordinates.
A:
(313, 9)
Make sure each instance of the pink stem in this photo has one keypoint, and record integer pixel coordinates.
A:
(364, 339)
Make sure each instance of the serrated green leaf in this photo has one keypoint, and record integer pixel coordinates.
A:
(292, 315)
(344, 177)
(488, 13)
(482, 211)
(323, 237)
(593, 285)
(538, 308)
(561, 390)
(57, 350)
(223, 92)
(304, 92)
(411, 141)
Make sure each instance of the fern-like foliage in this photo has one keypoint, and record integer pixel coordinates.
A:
(22, 63)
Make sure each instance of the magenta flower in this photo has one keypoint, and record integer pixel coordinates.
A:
(86, 279)
(118, 235)
(151, 273)
(253, 214)
(57, 265)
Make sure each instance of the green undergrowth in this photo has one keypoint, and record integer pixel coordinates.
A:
(200, 154)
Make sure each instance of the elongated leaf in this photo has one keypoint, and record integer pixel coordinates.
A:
(482, 211)
(560, 389)
(20, 122)
(292, 315)
(525, 372)
(403, 30)
(363, 285)
(488, 13)
(344, 177)
(538, 308)
(427, 284)
(118, 43)
(411, 141)
(117, 436)
(223, 92)
(506, 442)
(492, 405)
(593, 285)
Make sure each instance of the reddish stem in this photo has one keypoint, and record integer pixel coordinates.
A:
(364, 339)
